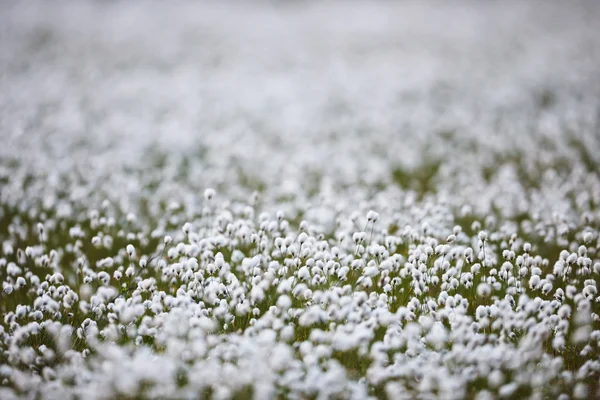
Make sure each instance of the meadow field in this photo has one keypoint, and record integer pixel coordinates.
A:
(299, 200)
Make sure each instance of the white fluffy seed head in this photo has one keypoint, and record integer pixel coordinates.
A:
(483, 290)
(303, 226)
(302, 237)
(130, 250)
(8, 288)
(209, 194)
(372, 216)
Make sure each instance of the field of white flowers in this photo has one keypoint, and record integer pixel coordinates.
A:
(300, 200)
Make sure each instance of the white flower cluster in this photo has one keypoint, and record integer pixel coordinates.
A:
(250, 305)
(279, 206)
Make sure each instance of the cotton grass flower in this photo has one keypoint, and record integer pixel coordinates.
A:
(477, 276)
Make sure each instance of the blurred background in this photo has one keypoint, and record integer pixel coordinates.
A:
(298, 99)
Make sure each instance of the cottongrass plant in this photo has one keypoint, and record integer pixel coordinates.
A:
(252, 305)
(232, 202)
